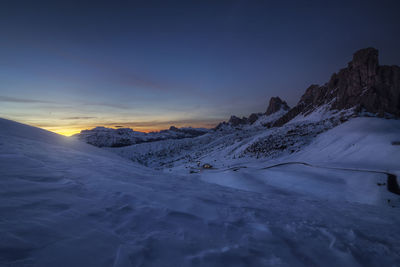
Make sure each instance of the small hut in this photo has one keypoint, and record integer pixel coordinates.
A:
(207, 166)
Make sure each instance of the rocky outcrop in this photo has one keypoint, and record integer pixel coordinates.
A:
(275, 105)
(174, 129)
(235, 121)
(254, 117)
(364, 85)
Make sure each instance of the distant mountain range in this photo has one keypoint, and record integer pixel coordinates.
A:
(109, 137)
(363, 88)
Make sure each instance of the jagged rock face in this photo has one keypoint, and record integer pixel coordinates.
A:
(276, 104)
(367, 85)
(253, 117)
(363, 85)
(235, 121)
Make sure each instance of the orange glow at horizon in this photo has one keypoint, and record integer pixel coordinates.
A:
(69, 131)
(72, 131)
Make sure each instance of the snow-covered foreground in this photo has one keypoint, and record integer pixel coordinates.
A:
(65, 203)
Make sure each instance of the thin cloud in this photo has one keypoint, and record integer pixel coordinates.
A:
(156, 124)
(23, 100)
(10, 99)
(115, 73)
(105, 104)
(78, 118)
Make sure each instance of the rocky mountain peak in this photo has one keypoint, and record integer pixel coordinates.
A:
(364, 86)
(173, 128)
(367, 57)
(276, 104)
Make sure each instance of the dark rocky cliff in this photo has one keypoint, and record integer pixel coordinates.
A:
(363, 85)
(276, 104)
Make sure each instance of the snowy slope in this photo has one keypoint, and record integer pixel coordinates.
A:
(65, 203)
(367, 143)
(227, 142)
(264, 119)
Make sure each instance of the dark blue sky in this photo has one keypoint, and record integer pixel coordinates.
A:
(70, 65)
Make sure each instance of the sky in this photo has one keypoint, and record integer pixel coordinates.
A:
(72, 65)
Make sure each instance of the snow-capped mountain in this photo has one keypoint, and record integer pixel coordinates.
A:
(364, 87)
(228, 142)
(280, 130)
(109, 137)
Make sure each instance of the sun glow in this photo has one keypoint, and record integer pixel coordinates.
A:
(63, 131)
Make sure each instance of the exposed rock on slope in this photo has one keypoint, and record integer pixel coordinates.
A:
(235, 121)
(254, 117)
(276, 104)
(289, 138)
(363, 85)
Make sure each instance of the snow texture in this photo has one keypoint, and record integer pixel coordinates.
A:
(66, 203)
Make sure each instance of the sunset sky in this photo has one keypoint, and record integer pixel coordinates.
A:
(72, 65)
